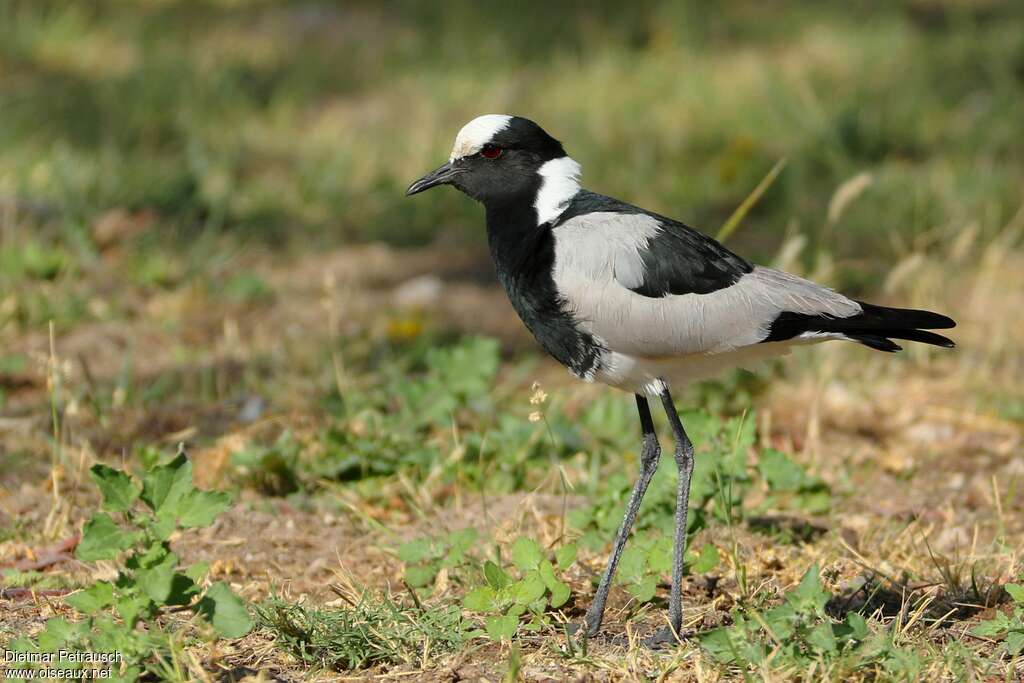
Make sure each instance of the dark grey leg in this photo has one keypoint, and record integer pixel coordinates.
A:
(684, 461)
(649, 455)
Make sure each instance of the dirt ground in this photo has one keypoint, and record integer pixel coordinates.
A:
(927, 469)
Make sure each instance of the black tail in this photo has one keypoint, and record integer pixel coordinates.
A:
(875, 326)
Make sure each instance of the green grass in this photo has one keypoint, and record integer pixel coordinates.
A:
(370, 630)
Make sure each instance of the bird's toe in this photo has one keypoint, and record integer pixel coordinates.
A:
(585, 628)
(663, 637)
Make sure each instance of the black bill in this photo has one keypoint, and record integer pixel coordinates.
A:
(439, 176)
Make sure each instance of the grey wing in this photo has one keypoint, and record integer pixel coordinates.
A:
(599, 265)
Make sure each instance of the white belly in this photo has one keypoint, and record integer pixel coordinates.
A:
(642, 375)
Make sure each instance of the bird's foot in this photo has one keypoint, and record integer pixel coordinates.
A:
(585, 629)
(663, 637)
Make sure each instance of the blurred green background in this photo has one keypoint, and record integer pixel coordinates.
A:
(301, 123)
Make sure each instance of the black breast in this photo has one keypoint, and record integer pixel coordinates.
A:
(524, 258)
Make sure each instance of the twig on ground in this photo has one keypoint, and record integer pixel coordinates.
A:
(46, 557)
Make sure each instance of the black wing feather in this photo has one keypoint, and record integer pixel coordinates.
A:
(875, 326)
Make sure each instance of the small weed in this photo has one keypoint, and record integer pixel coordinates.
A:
(386, 427)
(531, 589)
(648, 558)
(130, 614)
(33, 260)
(1007, 627)
(454, 378)
(789, 485)
(527, 586)
(425, 557)
(798, 634)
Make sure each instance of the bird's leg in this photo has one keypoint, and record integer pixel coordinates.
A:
(684, 462)
(649, 455)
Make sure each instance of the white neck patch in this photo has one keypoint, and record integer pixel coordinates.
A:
(478, 133)
(560, 181)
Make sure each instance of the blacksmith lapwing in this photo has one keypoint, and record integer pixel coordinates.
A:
(626, 297)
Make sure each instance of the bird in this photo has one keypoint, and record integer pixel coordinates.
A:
(640, 302)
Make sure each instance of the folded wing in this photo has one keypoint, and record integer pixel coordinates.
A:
(647, 286)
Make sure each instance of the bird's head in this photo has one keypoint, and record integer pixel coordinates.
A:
(500, 160)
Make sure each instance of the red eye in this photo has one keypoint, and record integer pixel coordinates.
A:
(490, 152)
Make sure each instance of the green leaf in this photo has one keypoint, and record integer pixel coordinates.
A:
(199, 508)
(816, 502)
(225, 611)
(419, 575)
(538, 606)
(719, 645)
(415, 551)
(1014, 642)
(102, 539)
(632, 565)
(482, 599)
(705, 560)
(858, 626)
(197, 570)
(155, 581)
(118, 489)
(822, 639)
(183, 589)
(462, 540)
(92, 599)
(58, 632)
(547, 573)
(531, 587)
(501, 627)
(161, 526)
(644, 589)
(149, 556)
(780, 472)
(565, 556)
(781, 620)
(1016, 592)
(559, 595)
(992, 627)
(495, 576)
(809, 596)
(131, 606)
(165, 485)
(659, 557)
(526, 553)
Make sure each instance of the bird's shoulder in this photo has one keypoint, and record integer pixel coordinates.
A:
(655, 255)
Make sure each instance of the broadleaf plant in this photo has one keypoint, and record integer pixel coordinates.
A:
(521, 595)
(129, 614)
(799, 635)
(1007, 627)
